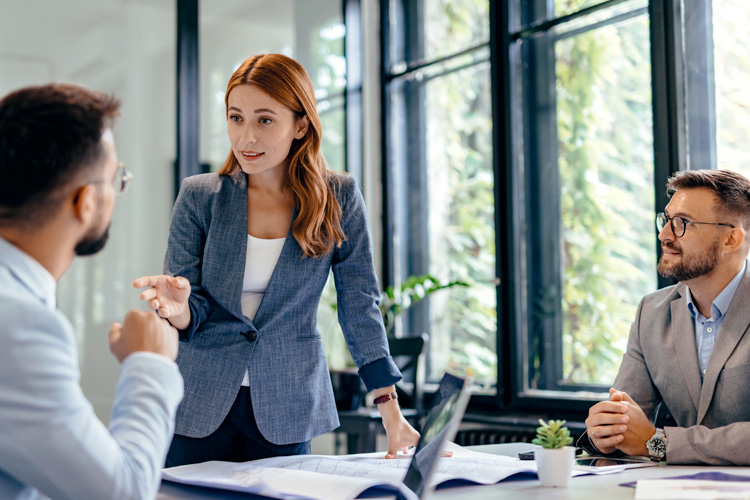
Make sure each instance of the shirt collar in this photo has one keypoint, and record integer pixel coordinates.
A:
(29, 273)
(721, 302)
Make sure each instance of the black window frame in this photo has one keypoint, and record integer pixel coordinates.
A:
(412, 71)
(684, 127)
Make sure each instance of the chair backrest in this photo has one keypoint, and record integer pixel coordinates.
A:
(408, 354)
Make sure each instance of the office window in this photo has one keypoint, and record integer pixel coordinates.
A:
(604, 101)
(593, 105)
(438, 158)
(566, 7)
(587, 155)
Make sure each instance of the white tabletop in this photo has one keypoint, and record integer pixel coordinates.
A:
(580, 488)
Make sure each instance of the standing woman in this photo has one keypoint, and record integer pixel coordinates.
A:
(249, 251)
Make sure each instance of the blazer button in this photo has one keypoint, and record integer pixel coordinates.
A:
(251, 336)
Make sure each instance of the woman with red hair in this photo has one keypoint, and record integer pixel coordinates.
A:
(249, 251)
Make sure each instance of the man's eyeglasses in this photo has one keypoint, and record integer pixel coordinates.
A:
(679, 224)
(122, 179)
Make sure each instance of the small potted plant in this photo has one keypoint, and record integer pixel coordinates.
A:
(555, 458)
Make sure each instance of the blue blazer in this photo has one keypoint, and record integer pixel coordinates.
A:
(290, 386)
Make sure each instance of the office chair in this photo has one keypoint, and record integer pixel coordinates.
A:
(361, 424)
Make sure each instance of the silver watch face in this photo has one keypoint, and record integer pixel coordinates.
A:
(657, 446)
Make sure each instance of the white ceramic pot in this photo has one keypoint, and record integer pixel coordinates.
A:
(555, 465)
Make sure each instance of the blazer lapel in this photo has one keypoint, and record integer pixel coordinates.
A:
(733, 328)
(683, 338)
(288, 254)
(232, 227)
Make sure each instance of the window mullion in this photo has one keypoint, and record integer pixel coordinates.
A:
(700, 89)
(668, 100)
(543, 211)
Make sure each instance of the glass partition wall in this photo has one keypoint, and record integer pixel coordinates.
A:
(125, 48)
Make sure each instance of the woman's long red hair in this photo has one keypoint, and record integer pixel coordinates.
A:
(317, 228)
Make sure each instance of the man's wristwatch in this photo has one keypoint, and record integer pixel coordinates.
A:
(657, 446)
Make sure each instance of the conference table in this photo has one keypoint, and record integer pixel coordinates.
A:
(589, 487)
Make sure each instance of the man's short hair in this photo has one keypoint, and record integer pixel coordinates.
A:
(732, 191)
(50, 136)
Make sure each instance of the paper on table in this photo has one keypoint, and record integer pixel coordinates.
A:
(688, 489)
(343, 477)
(273, 482)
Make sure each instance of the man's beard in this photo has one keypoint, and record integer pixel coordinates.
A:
(92, 243)
(690, 266)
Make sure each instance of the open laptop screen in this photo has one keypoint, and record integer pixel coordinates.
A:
(440, 426)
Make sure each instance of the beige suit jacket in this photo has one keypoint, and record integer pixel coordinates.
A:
(661, 363)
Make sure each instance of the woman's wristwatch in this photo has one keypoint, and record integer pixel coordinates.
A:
(657, 446)
(385, 398)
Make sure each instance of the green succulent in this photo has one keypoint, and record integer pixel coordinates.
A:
(552, 435)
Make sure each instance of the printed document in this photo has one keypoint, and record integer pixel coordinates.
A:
(344, 477)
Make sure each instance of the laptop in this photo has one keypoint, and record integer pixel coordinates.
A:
(439, 428)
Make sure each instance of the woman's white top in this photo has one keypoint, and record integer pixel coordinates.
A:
(260, 261)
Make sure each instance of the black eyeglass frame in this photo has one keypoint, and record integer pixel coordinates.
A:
(662, 219)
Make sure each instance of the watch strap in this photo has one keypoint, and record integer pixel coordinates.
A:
(385, 398)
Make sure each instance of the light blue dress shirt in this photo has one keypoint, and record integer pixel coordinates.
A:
(707, 329)
(51, 442)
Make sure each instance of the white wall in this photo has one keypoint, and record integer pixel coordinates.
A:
(127, 49)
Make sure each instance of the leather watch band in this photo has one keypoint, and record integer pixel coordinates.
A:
(385, 398)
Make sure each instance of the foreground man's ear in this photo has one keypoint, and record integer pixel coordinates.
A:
(83, 203)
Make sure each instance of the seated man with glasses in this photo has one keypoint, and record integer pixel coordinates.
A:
(59, 178)
(689, 346)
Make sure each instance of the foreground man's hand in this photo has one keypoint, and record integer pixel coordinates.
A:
(142, 331)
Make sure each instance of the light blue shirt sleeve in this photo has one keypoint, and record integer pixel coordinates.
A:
(51, 441)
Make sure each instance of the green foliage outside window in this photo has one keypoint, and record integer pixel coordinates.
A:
(606, 171)
(462, 235)
(463, 321)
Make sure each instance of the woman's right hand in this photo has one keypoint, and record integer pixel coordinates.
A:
(168, 296)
